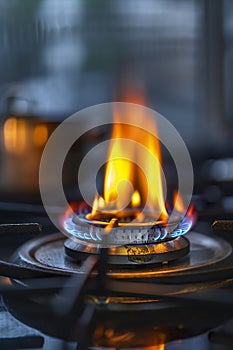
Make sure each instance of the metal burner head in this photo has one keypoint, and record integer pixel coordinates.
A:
(123, 228)
(129, 241)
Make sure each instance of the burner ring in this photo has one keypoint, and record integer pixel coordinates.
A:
(92, 232)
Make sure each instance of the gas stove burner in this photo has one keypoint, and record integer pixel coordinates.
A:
(123, 232)
(197, 272)
(124, 228)
(129, 240)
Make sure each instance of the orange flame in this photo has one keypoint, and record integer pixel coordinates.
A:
(178, 203)
(180, 207)
(146, 188)
(136, 199)
(156, 347)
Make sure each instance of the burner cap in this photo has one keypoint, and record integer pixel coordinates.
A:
(83, 228)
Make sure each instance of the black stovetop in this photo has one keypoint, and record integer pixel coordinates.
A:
(16, 332)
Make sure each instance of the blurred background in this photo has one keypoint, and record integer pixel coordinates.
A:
(58, 57)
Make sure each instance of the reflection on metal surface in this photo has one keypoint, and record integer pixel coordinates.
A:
(223, 225)
(113, 338)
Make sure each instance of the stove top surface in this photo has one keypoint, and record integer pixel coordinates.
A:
(152, 311)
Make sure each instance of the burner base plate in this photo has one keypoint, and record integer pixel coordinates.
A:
(207, 253)
(134, 254)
